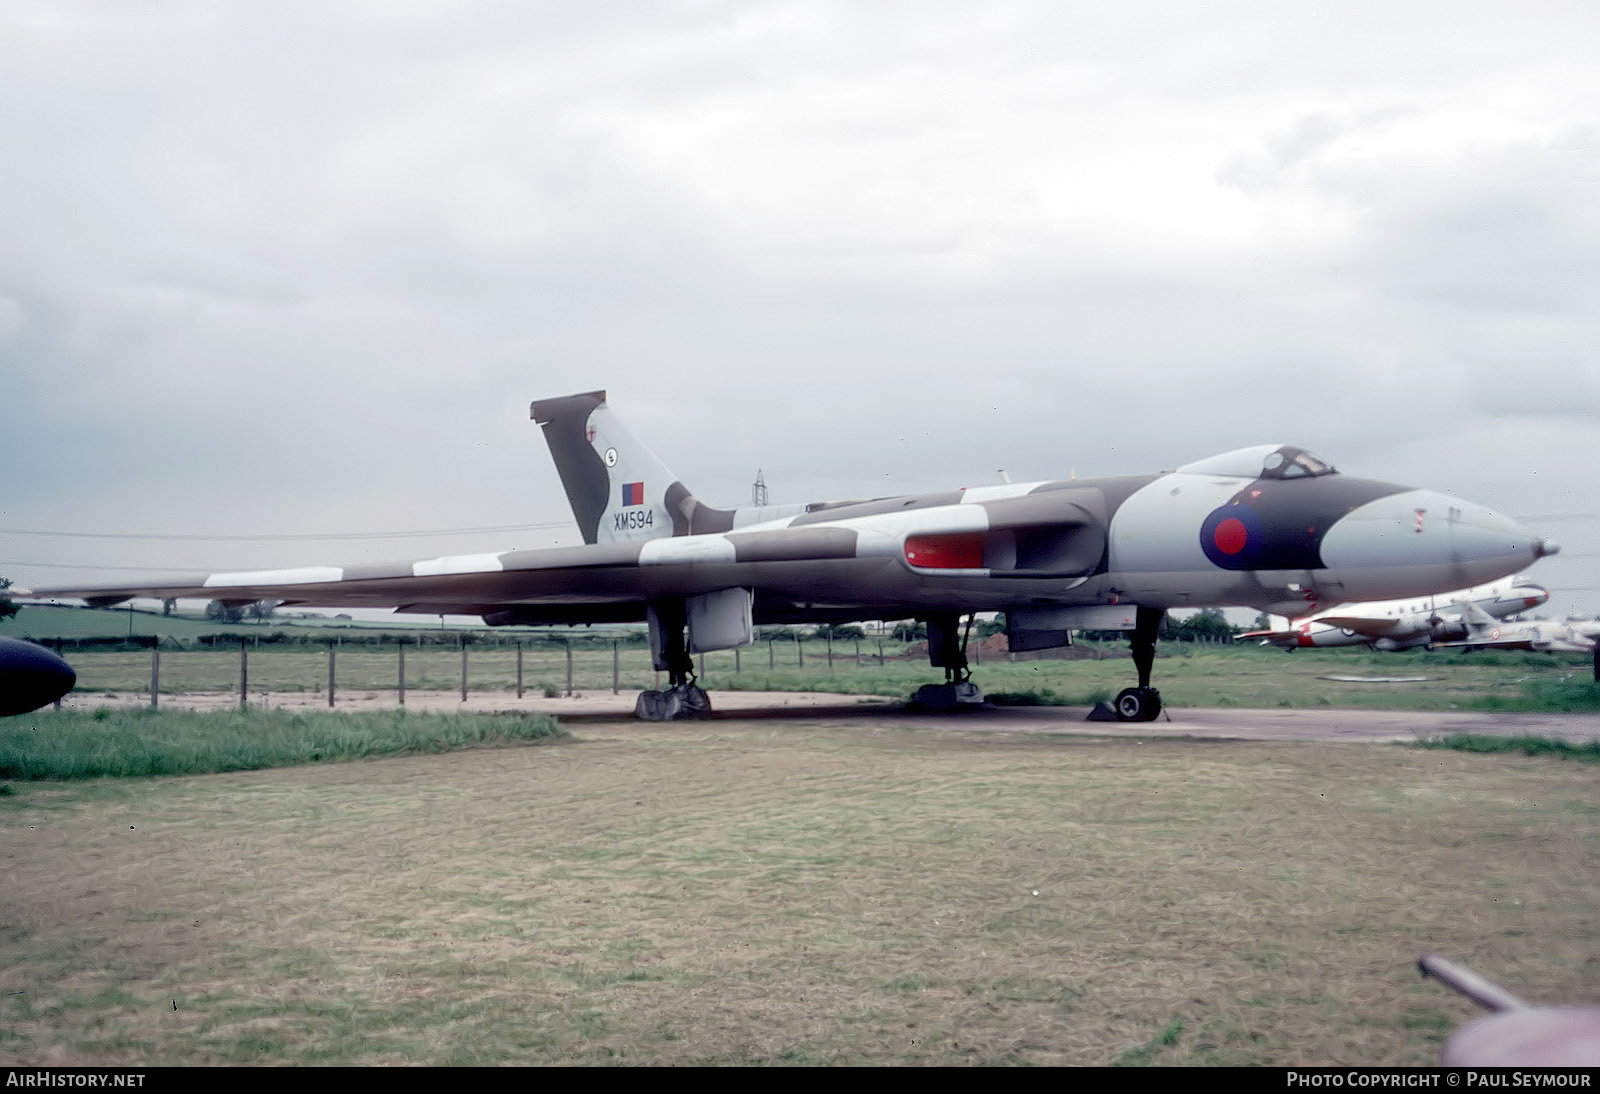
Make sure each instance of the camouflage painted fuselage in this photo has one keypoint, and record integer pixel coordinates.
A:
(1270, 527)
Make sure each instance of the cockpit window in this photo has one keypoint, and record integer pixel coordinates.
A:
(1289, 462)
(1264, 462)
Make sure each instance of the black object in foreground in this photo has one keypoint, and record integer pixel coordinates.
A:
(31, 676)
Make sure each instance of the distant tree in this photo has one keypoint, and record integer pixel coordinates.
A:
(168, 607)
(262, 610)
(1165, 631)
(1208, 623)
(839, 631)
(1101, 636)
(8, 607)
(910, 632)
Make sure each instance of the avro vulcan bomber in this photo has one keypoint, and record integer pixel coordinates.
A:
(1270, 527)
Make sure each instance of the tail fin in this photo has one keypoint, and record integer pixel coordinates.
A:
(1280, 632)
(618, 489)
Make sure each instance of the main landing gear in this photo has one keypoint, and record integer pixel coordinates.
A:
(1143, 703)
(947, 649)
(683, 698)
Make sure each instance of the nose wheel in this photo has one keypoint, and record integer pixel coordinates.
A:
(1138, 704)
(1143, 703)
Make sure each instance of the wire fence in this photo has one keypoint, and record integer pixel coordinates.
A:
(543, 667)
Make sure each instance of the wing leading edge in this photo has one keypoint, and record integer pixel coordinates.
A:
(889, 562)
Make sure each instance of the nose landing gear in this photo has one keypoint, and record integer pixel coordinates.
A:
(1143, 703)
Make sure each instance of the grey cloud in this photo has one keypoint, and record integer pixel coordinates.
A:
(306, 264)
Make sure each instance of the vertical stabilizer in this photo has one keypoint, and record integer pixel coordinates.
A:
(618, 489)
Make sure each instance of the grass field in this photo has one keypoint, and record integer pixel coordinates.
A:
(731, 893)
(736, 893)
(135, 743)
(1187, 675)
(46, 622)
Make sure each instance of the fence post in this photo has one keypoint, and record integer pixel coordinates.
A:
(736, 668)
(519, 668)
(616, 668)
(330, 676)
(463, 668)
(800, 654)
(155, 672)
(569, 668)
(401, 680)
(244, 672)
(770, 664)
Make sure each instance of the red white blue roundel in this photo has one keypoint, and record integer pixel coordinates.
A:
(1232, 537)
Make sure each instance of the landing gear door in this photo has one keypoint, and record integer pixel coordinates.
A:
(721, 620)
(1050, 628)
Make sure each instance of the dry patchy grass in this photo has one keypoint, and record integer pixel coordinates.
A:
(738, 893)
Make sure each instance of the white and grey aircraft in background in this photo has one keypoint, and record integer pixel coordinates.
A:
(1270, 527)
(1542, 636)
(1402, 624)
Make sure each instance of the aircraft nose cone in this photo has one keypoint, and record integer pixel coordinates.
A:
(1420, 541)
(31, 676)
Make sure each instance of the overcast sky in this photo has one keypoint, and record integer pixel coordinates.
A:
(301, 267)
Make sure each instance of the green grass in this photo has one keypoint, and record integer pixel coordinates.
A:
(51, 622)
(74, 745)
(34, 621)
(1146, 1054)
(1546, 692)
(1586, 752)
(1211, 676)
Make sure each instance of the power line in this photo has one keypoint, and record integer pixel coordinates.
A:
(93, 566)
(291, 535)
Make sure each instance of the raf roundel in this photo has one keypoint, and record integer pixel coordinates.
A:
(1231, 537)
